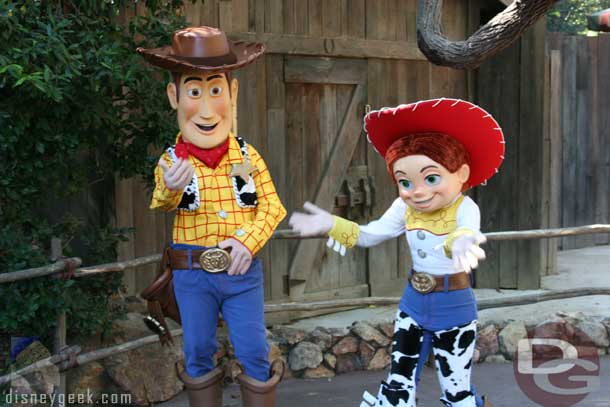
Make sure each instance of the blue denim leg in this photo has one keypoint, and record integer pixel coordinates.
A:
(199, 304)
(244, 311)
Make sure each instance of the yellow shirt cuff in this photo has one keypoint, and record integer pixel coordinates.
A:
(454, 235)
(345, 231)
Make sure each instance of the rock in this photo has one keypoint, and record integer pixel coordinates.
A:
(476, 356)
(349, 344)
(337, 333)
(148, 372)
(487, 341)
(556, 328)
(606, 322)
(220, 353)
(510, 336)
(366, 353)
(320, 337)
(274, 351)
(90, 377)
(595, 331)
(41, 381)
(224, 342)
(305, 355)
(380, 360)
(348, 362)
(387, 328)
(288, 335)
(572, 318)
(496, 359)
(369, 334)
(331, 360)
(318, 373)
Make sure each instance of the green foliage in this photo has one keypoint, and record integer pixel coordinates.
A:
(77, 103)
(570, 16)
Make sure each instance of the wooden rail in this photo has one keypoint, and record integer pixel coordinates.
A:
(67, 358)
(60, 265)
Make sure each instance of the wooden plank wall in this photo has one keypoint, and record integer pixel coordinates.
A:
(511, 87)
(580, 81)
(381, 32)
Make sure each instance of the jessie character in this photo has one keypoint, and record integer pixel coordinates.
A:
(226, 210)
(434, 150)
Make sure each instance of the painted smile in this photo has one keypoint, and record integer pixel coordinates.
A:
(427, 201)
(206, 128)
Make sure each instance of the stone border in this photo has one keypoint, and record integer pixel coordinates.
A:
(148, 372)
(326, 352)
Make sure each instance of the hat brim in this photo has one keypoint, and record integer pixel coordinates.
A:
(472, 126)
(245, 53)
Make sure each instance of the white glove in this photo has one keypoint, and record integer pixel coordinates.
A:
(314, 223)
(466, 252)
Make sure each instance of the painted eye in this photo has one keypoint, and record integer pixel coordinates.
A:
(215, 90)
(406, 184)
(194, 93)
(433, 179)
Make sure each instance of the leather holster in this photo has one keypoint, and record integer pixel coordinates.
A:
(161, 301)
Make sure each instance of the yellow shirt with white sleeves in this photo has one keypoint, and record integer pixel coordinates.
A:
(430, 235)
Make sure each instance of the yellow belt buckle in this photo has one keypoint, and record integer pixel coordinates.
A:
(423, 282)
(215, 260)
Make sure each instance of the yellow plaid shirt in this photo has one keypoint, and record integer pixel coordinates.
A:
(219, 217)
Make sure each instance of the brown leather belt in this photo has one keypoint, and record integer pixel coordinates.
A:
(427, 283)
(212, 260)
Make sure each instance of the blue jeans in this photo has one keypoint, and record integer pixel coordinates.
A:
(201, 296)
(439, 310)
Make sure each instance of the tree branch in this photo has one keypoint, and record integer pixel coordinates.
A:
(500, 32)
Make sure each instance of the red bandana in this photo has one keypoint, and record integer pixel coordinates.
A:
(209, 156)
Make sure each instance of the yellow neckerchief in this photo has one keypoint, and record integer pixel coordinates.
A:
(440, 222)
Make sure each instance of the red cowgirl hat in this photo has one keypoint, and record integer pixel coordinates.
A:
(472, 126)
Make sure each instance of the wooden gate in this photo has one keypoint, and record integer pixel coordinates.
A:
(323, 129)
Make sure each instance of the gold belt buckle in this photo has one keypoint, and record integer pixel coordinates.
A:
(423, 282)
(215, 260)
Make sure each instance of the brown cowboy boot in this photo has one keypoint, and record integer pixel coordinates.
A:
(255, 393)
(203, 391)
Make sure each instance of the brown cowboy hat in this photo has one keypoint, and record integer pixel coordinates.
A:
(204, 49)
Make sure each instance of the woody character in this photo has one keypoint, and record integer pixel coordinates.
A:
(226, 210)
(434, 151)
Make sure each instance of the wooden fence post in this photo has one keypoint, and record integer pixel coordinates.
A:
(59, 338)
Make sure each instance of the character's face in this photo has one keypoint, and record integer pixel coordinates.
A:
(205, 107)
(426, 185)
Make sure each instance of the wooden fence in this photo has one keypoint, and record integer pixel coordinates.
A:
(579, 129)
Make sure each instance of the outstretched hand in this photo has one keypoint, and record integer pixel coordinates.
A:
(466, 252)
(315, 222)
(177, 176)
